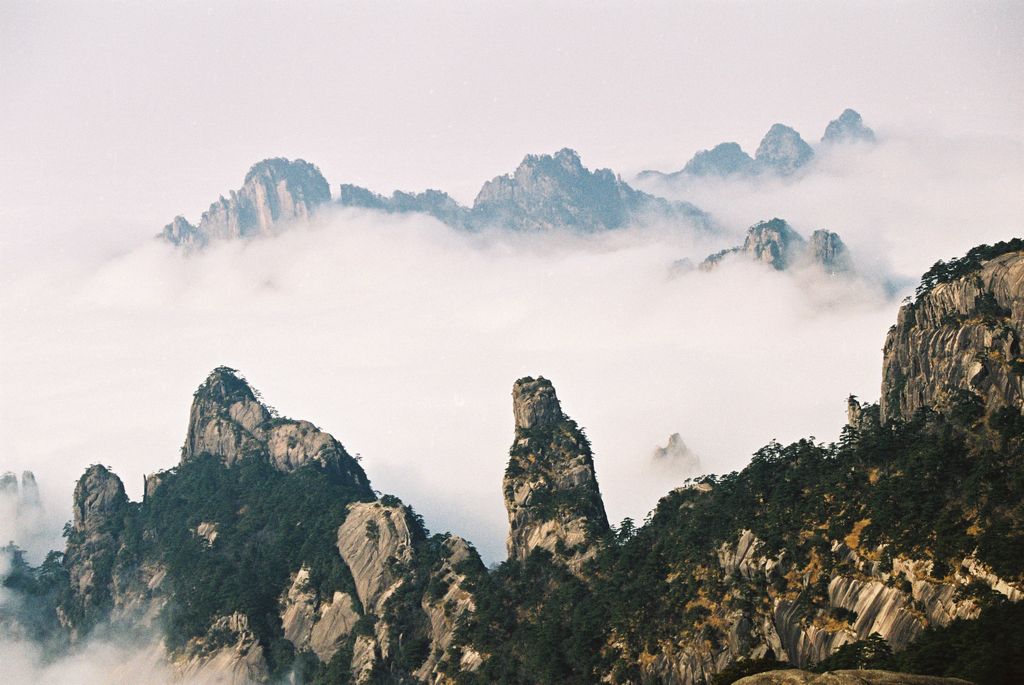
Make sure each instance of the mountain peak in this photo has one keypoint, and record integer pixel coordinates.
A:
(550, 486)
(721, 160)
(274, 190)
(534, 403)
(230, 420)
(783, 150)
(848, 127)
(99, 493)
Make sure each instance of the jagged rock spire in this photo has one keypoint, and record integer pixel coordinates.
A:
(961, 338)
(551, 491)
(848, 127)
(782, 150)
(99, 494)
(230, 421)
(535, 404)
(274, 190)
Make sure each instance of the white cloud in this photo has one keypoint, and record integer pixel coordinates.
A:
(402, 337)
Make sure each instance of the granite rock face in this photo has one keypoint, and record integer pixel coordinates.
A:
(782, 151)
(795, 677)
(960, 337)
(545, 192)
(557, 191)
(274, 191)
(229, 653)
(725, 159)
(828, 250)
(676, 458)
(848, 127)
(436, 203)
(98, 509)
(551, 490)
(863, 599)
(228, 420)
(775, 244)
(316, 626)
(377, 545)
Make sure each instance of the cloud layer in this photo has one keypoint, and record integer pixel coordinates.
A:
(402, 337)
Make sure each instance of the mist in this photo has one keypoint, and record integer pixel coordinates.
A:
(402, 336)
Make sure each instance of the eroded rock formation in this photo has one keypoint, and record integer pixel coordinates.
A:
(550, 487)
(848, 127)
(775, 244)
(963, 335)
(274, 191)
(228, 420)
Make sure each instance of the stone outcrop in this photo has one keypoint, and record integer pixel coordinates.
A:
(228, 420)
(848, 127)
(676, 458)
(545, 192)
(550, 487)
(725, 159)
(782, 151)
(316, 626)
(377, 545)
(98, 518)
(436, 203)
(827, 250)
(795, 677)
(447, 607)
(898, 604)
(555, 191)
(775, 244)
(274, 191)
(29, 490)
(229, 654)
(959, 336)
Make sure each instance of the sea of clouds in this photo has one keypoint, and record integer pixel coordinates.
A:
(402, 337)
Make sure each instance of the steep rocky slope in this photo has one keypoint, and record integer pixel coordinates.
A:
(791, 677)
(777, 245)
(781, 152)
(264, 555)
(550, 487)
(545, 192)
(963, 334)
(848, 127)
(274, 191)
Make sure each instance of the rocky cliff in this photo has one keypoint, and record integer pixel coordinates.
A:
(848, 127)
(264, 555)
(960, 338)
(228, 420)
(94, 540)
(436, 203)
(550, 487)
(775, 244)
(551, 191)
(274, 191)
(782, 151)
(872, 677)
(545, 192)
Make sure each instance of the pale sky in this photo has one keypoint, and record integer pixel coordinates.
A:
(117, 116)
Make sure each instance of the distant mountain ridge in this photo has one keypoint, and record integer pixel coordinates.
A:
(777, 245)
(781, 152)
(545, 192)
